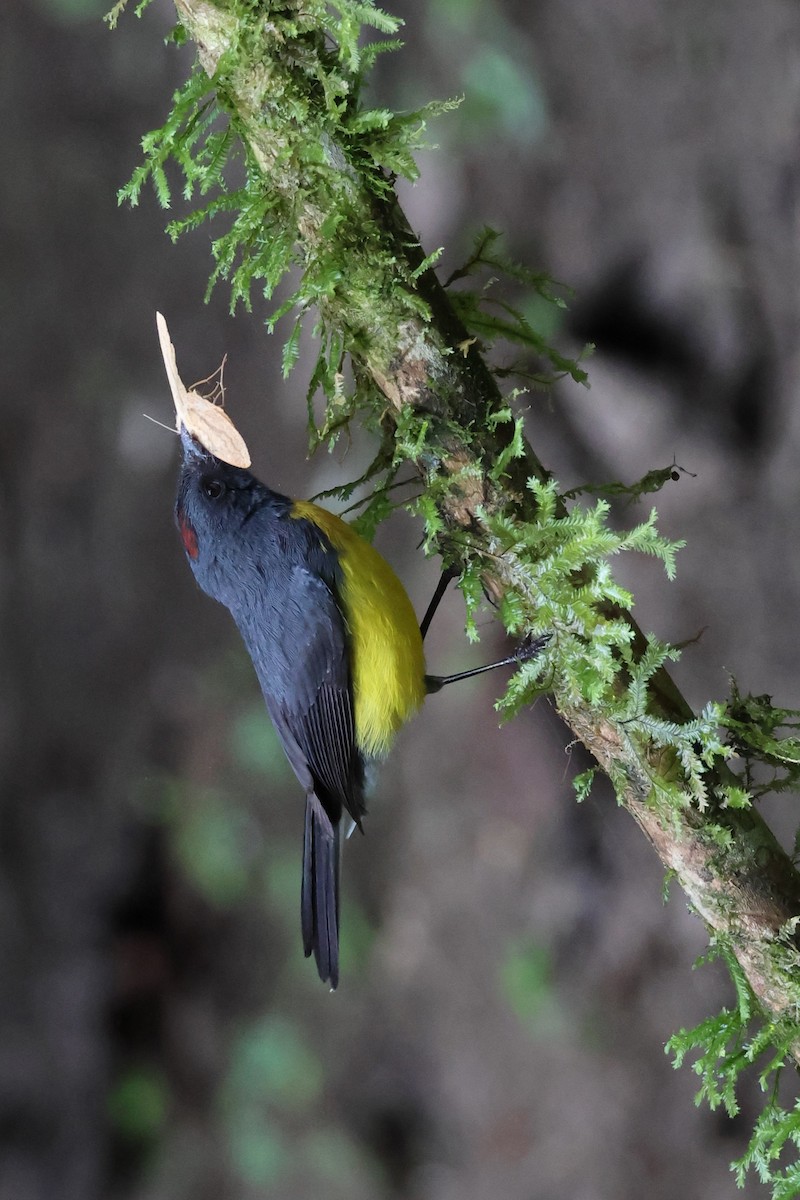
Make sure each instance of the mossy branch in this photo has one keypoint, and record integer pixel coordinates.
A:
(286, 79)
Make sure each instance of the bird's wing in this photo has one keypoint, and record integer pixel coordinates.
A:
(316, 723)
(313, 710)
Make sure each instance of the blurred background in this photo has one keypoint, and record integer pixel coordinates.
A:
(510, 971)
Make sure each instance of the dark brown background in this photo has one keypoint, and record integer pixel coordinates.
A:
(510, 974)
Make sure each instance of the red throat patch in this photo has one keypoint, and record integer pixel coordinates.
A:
(189, 536)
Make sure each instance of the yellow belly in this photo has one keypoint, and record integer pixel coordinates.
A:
(387, 662)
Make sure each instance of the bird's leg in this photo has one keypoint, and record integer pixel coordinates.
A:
(447, 575)
(434, 683)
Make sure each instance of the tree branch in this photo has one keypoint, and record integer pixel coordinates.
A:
(273, 78)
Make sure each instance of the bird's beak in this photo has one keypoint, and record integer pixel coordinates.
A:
(192, 450)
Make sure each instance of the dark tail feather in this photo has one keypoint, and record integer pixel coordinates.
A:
(319, 901)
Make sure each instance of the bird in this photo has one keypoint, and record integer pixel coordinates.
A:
(335, 644)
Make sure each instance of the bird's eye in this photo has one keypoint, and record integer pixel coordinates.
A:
(214, 488)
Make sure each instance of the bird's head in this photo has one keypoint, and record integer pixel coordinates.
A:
(214, 511)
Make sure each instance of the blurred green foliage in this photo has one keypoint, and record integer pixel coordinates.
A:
(272, 1074)
(525, 977)
(255, 746)
(212, 841)
(138, 1104)
(257, 1149)
(460, 14)
(357, 938)
(281, 880)
(503, 96)
(214, 833)
(271, 1064)
(334, 1156)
